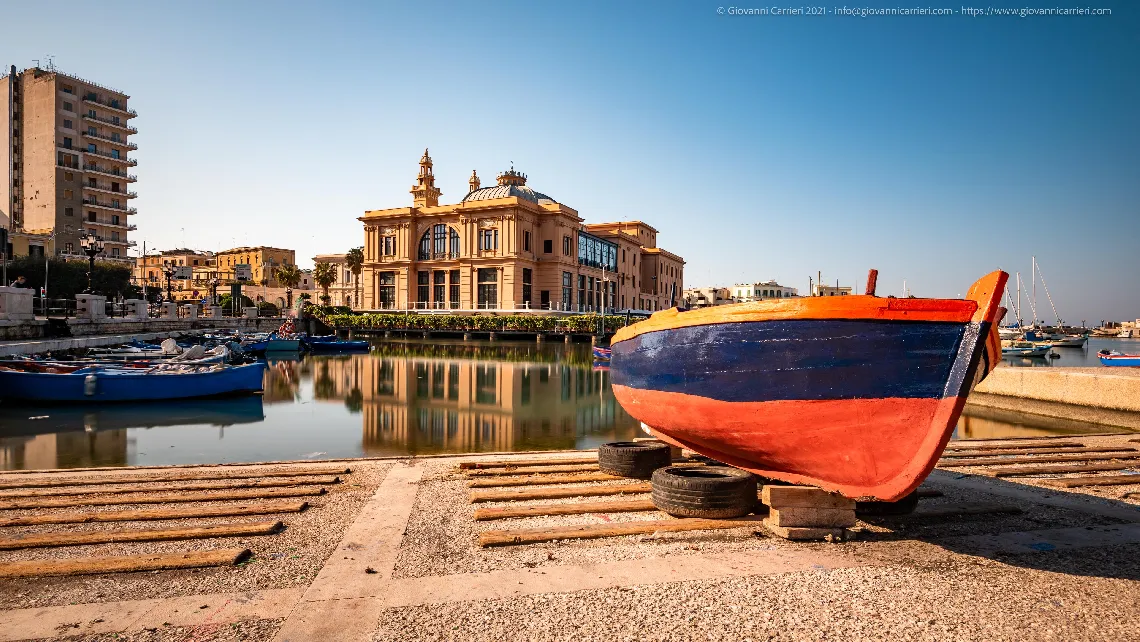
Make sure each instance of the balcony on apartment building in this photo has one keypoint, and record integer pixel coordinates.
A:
(112, 122)
(90, 202)
(130, 162)
(109, 171)
(108, 222)
(107, 188)
(113, 105)
(110, 139)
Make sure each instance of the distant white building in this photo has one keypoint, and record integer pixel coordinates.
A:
(706, 297)
(746, 292)
(830, 290)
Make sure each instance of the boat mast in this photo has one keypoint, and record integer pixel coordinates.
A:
(1047, 295)
(1033, 280)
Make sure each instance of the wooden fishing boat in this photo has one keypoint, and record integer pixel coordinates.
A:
(112, 383)
(1115, 358)
(854, 394)
(1019, 349)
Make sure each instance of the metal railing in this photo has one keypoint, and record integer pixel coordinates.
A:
(106, 188)
(111, 206)
(92, 167)
(111, 139)
(123, 109)
(112, 122)
(108, 155)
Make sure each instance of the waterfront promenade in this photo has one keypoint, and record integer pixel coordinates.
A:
(390, 551)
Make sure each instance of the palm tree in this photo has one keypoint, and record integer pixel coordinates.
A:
(324, 275)
(289, 276)
(354, 259)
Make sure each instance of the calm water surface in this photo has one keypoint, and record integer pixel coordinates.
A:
(402, 398)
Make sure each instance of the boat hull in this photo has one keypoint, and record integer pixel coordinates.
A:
(858, 397)
(130, 386)
(1127, 361)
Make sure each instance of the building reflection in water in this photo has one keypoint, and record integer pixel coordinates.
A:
(64, 450)
(419, 398)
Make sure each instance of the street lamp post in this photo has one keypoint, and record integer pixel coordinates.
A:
(92, 246)
(168, 271)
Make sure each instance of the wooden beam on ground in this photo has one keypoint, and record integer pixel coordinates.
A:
(965, 445)
(150, 514)
(593, 531)
(549, 461)
(980, 508)
(542, 480)
(139, 535)
(128, 563)
(1103, 480)
(162, 499)
(1031, 451)
(96, 480)
(227, 485)
(1053, 459)
(531, 470)
(522, 494)
(581, 508)
(1132, 495)
(1056, 470)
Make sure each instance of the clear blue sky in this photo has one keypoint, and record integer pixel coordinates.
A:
(932, 148)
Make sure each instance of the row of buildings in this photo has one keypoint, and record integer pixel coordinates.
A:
(749, 292)
(67, 146)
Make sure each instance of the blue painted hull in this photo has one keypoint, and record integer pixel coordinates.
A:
(119, 385)
(320, 344)
(1128, 361)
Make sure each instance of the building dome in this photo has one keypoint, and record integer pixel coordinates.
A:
(510, 183)
(503, 191)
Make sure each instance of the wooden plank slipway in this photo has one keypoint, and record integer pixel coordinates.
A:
(179, 487)
(119, 478)
(1054, 459)
(139, 535)
(72, 502)
(90, 565)
(147, 514)
(592, 531)
(1031, 451)
(556, 493)
(540, 480)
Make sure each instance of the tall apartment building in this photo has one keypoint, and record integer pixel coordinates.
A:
(66, 150)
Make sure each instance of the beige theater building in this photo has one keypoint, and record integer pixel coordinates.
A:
(508, 247)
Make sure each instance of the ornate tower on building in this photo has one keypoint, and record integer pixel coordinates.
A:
(473, 182)
(511, 177)
(424, 192)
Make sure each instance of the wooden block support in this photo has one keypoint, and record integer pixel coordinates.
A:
(73, 502)
(95, 480)
(541, 480)
(812, 517)
(140, 535)
(204, 485)
(522, 494)
(1055, 459)
(194, 512)
(591, 531)
(803, 497)
(801, 533)
(91, 565)
(1105, 480)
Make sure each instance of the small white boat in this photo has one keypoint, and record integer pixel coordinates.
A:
(1019, 349)
(1126, 333)
(1071, 341)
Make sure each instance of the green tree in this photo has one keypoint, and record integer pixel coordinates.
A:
(354, 259)
(289, 276)
(324, 275)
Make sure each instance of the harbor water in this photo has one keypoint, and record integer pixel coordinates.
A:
(401, 398)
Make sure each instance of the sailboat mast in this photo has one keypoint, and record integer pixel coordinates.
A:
(1033, 279)
(1048, 296)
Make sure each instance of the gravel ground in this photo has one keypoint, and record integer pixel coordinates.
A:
(441, 538)
(248, 631)
(947, 598)
(288, 559)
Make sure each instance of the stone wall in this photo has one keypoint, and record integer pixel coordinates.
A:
(1109, 396)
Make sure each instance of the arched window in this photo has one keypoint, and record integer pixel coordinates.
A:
(439, 242)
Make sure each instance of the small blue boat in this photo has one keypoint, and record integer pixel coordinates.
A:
(1114, 358)
(96, 384)
(330, 343)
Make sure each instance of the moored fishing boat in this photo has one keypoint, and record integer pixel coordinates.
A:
(855, 394)
(1071, 341)
(101, 383)
(1116, 358)
(332, 344)
(1018, 349)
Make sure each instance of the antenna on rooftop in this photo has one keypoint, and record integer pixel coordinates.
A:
(50, 63)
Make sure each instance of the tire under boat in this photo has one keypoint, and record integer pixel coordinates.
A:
(854, 394)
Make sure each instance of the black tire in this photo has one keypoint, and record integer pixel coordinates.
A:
(904, 506)
(714, 492)
(636, 459)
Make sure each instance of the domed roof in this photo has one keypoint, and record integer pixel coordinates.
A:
(504, 191)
